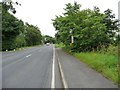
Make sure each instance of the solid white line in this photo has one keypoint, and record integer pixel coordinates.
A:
(62, 76)
(53, 70)
(28, 55)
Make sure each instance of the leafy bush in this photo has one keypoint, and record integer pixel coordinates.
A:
(8, 44)
(111, 50)
(20, 41)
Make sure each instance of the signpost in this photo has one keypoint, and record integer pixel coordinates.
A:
(72, 37)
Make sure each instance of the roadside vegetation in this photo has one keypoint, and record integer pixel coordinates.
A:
(95, 35)
(105, 63)
(16, 33)
(48, 39)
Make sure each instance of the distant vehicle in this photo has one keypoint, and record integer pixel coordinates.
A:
(47, 44)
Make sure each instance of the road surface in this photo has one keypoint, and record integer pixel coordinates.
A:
(30, 68)
(39, 67)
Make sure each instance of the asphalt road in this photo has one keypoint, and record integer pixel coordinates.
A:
(33, 68)
(29, 68)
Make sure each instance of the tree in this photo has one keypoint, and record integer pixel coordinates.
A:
(111, 24)
(11, 27)
(32, 35)
(9, 5)
(89, 28)
(72, 9)
(48, 39)
(15, 33)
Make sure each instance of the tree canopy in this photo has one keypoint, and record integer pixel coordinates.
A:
(15, 33)
(91, 29)
(48, 39)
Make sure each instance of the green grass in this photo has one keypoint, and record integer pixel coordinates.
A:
(60, 45)
(104, 63)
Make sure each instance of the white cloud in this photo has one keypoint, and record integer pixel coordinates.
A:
(40, 12)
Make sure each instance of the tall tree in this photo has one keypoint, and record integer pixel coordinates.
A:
(111, 24)
(48, 39)
(14, 33)
(10, 28)
(32, 35)
(89, 28)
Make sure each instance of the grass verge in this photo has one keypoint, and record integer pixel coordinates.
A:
(103, 63)
(60, 45)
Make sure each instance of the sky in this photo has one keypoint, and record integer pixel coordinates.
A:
(40, 12)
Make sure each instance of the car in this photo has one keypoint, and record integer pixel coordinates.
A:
(47, 44)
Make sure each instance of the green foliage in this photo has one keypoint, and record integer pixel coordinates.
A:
(20, 41)
(111, 24)
(11, 27)
(48, 39)
(8, 44)
(91, 29)
(60, 45)
(8, 5)
(72, 9)
(111, 50)
(32, 35)
(15, 33)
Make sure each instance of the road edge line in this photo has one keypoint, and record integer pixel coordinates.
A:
(53, 70)
(65, 85)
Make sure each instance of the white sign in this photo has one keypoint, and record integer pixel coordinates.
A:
(72, 39)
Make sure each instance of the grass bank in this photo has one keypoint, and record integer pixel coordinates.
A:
(105, 62)
(61, 45)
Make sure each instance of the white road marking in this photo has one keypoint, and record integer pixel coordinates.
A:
(63, 77)
(65, 85)
(53, 70)
(28, 55)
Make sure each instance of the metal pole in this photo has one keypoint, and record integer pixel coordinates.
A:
(72, 39)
